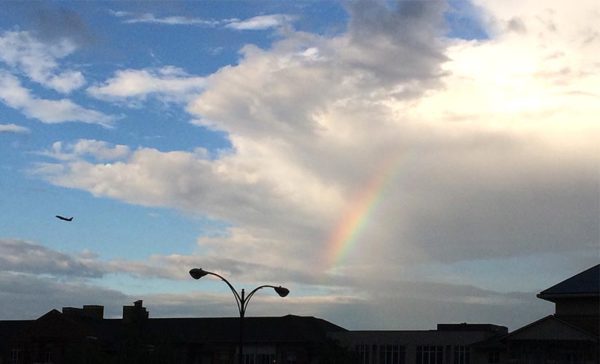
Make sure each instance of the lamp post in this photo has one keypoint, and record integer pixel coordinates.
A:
(241, 300)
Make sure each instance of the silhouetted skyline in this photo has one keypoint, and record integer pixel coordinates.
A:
(394, 164)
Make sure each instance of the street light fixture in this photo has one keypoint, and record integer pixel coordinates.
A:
(240, 299)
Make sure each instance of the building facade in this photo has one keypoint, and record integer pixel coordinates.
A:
(449, 344)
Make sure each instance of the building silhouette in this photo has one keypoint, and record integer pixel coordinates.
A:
(450, 343)
(569, 336)
(83, 336)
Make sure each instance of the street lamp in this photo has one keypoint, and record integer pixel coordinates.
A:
(241, 300)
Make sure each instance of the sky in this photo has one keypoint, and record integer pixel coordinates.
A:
(394, 164)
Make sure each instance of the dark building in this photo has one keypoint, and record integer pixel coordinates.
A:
(449, 344)
(571, 334)
(83, 335)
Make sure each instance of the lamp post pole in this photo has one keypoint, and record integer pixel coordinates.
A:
(241, 300)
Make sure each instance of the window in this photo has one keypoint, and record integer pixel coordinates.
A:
(264, 358)
(44, 357)
(290, 358)
(494, 357)
(363, 352)
(15, 356)
(391, 354)
(429, 354)
(259, 358)
(462, 355)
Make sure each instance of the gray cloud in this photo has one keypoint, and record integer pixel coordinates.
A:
(52, 23)
(28, 297)
(24, 296)
(26, 257)
(402, 39)
(406, 305)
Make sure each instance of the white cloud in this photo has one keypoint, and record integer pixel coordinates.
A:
(261, 22)
(437, 151)
(13, 94)
(167, 83)
(13, 128)
(38, 61)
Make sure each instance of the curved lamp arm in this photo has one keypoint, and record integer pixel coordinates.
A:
(281, 291)
(198, 273)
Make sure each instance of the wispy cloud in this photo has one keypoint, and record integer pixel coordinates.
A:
(13, 128)
(260, 22)
(149, 18)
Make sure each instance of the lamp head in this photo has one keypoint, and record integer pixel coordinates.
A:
(281, 291)
(197, 273)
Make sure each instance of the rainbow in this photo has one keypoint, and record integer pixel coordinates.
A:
(344, 236)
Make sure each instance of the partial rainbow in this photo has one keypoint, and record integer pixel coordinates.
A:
(356, 216)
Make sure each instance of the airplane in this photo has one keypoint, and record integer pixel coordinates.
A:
(65, 218)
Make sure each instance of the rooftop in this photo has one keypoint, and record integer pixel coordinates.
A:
(586, 283)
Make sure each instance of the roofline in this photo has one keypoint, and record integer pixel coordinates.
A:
(574, 327)
(550, 297)
(597, 266)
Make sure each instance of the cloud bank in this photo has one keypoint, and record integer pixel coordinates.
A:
(30, 270)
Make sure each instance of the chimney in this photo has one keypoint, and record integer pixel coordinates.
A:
(135, 313)
(95, 312)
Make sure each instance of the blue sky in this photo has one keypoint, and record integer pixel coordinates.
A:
(236, 136)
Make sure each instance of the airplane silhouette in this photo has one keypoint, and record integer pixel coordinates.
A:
(65, 218)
